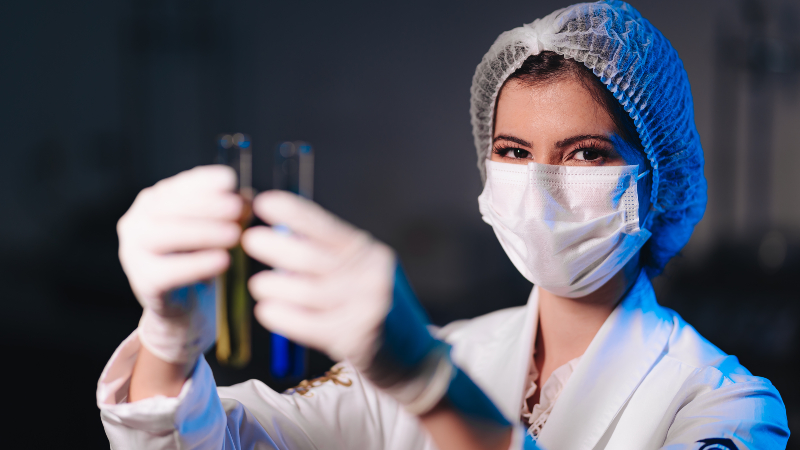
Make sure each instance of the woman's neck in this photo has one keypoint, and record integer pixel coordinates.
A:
(568, 325)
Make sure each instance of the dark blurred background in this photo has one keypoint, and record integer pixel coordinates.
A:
(103, 98)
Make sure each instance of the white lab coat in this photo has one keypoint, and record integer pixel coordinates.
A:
(648, 380)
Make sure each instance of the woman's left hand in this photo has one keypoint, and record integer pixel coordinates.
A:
(333, 286)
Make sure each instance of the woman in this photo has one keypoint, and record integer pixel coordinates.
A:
(593, 176)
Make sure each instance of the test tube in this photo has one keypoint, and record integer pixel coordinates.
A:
(233, 299)
(294, 172)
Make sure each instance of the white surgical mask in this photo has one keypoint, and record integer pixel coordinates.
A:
(567, 229)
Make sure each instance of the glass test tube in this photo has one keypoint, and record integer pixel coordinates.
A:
(234, 305)
(294, 172)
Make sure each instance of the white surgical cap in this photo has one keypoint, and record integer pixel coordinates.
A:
(643, 72)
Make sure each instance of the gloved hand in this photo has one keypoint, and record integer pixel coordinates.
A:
(334, 285)
(173, 237)
(342, 292)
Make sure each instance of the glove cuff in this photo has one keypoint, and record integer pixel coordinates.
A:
(415, 368)
(182, 338)
(420, 394)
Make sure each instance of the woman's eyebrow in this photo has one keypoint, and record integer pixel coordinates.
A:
(519, 141)
(572, 140)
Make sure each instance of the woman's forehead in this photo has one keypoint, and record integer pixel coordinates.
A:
(550, 110)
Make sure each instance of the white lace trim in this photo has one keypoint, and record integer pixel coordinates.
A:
(547, 398)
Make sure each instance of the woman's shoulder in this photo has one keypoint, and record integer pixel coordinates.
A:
(690, 348)
(707, 394)
(718, 396)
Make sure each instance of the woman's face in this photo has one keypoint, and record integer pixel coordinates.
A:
(556, 123)
(560, 123)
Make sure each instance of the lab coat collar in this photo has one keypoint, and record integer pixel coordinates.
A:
(496, 354)
(512, 355)
(627, 346)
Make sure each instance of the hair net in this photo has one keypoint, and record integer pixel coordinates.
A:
(642, 70)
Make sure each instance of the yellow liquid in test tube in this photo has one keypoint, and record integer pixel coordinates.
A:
(234, 306)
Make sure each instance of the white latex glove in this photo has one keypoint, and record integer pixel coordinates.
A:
(334, 286)
(174, 236)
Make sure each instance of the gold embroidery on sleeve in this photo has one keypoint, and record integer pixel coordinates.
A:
(335, 375)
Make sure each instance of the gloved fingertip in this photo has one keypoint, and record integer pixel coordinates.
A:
(262, 313)
(251, 238)
(217, 176)
(232, 207)
(219, 259)
(275, 205)
(255, 285)
(230, 234)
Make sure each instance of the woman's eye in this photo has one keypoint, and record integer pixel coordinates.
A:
(586, 155)
(517, 153)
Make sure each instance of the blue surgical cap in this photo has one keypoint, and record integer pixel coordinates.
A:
(643, 72)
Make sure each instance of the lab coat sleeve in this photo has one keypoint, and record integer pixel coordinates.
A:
(344, 414)
(736, 412)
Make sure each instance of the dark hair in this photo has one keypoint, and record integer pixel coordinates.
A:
(549, 66)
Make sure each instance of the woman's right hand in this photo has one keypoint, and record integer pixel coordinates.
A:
(175, 235)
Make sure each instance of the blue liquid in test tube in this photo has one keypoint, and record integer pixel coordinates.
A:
(294, 172)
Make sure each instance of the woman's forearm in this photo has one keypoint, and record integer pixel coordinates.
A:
(153, 376)
(451, 431)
